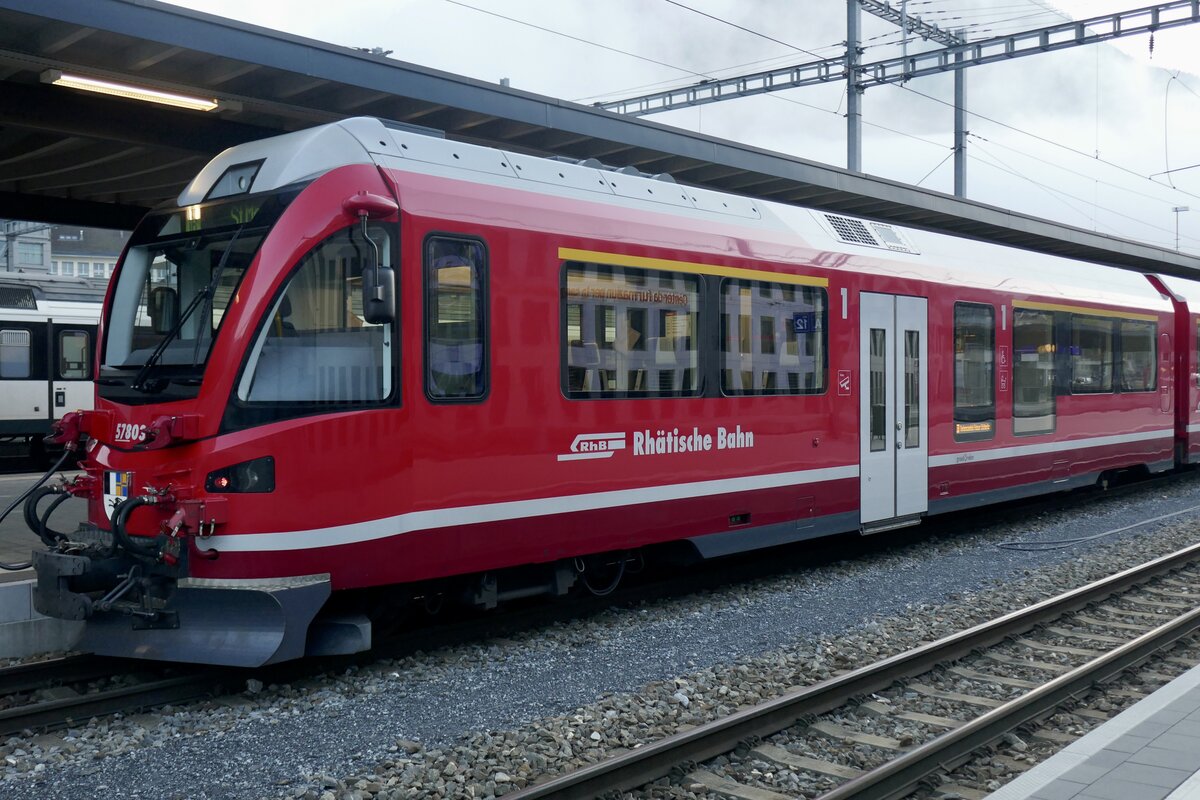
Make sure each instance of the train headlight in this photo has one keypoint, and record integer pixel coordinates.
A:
(248, 477)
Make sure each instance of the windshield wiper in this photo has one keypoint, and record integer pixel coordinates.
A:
(205, 295)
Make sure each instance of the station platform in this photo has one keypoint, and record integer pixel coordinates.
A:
(24, 632)
(1150, 751)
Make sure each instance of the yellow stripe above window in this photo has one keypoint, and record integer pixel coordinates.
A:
(1094, 312)
(619, 260)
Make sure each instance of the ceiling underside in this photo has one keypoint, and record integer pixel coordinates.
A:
(67, 156)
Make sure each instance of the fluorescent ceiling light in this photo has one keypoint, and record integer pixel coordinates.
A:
(59, 78)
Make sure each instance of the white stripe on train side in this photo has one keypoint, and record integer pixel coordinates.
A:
(371, 530)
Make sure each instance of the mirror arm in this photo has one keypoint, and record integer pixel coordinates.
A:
(377, 286)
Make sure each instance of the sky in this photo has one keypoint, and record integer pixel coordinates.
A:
(1082, 135)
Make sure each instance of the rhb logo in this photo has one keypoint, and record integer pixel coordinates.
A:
(594, 445)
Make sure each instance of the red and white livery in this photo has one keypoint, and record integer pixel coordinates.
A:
(360, 356)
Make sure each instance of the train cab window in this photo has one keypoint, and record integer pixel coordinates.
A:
(1033, 372)
(316, 347)
(773, 338)
(626, 336)
(15, 353)
(455, 319)
(974, 372)
(1091, 354)
(1138, 356)
(73, 361)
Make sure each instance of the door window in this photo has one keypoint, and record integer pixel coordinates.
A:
(878, 389)
(912, 389)
(73, 361)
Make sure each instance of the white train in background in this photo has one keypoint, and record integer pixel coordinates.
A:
(47, 343)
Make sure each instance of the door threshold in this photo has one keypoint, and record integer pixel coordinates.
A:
(881, 525)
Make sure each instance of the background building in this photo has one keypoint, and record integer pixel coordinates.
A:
(85, 252)
(25, 246)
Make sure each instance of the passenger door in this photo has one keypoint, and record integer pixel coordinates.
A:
(894, 410)
(71, 356)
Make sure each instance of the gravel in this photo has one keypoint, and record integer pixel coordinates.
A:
(487, 718)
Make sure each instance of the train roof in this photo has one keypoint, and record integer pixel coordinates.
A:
(872, 246)
(28, 290)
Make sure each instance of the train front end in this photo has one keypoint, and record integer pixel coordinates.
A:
(264, 299)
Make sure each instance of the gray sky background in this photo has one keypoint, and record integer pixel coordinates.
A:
(1073, 135)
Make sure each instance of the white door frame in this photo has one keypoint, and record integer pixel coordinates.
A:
(893, 407)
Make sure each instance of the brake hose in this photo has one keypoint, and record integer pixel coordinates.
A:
(121, 517)
(38, 523)
(47, 534)
(21, 498)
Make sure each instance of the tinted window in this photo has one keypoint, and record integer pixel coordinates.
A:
(974, 372)
(1138, 369)
(629, 332)
(773, 338)
(1033, 371)
(455, 342)
(14, 354)
(316, 347)
(1091, 354)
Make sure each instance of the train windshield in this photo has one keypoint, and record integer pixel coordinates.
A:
(181, 273)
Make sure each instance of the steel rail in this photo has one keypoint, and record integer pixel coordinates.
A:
(58, 713)
(56, 671)
(658, 759)
(899, 777)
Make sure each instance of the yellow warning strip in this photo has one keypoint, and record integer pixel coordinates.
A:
(619, 260)
(1095, 312)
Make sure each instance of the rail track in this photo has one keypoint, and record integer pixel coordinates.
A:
(1064, 647)
(59, 692)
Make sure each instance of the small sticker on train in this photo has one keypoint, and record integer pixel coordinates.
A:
(116, 490)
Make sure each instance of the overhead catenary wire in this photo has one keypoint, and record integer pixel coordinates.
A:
(989, 16)
(1077, 173)
(1059, 195)
(1045, 140)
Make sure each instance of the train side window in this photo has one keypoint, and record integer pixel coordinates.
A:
(73, 361)
(773, 338)
(316, 347)
(1138, 356)
(1091, 354)
(15, 353)
(626, 336)
(456, 359)
(1034, 404)
(974, 372)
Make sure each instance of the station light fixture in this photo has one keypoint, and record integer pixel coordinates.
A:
(143, 93)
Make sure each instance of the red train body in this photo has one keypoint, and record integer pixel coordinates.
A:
(578, 361)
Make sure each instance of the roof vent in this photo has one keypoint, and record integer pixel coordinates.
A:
(870, 234)
(18, 297)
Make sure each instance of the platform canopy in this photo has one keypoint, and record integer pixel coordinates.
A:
(76, 157)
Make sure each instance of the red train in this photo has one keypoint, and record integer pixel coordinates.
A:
(363, 356)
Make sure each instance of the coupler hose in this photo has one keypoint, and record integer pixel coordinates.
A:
(39, 524)
(121, 518)
(47, 534)
(21, 498)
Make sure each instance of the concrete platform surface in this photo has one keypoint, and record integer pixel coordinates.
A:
(17, 542)
(1150, 751)
(24, 632)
